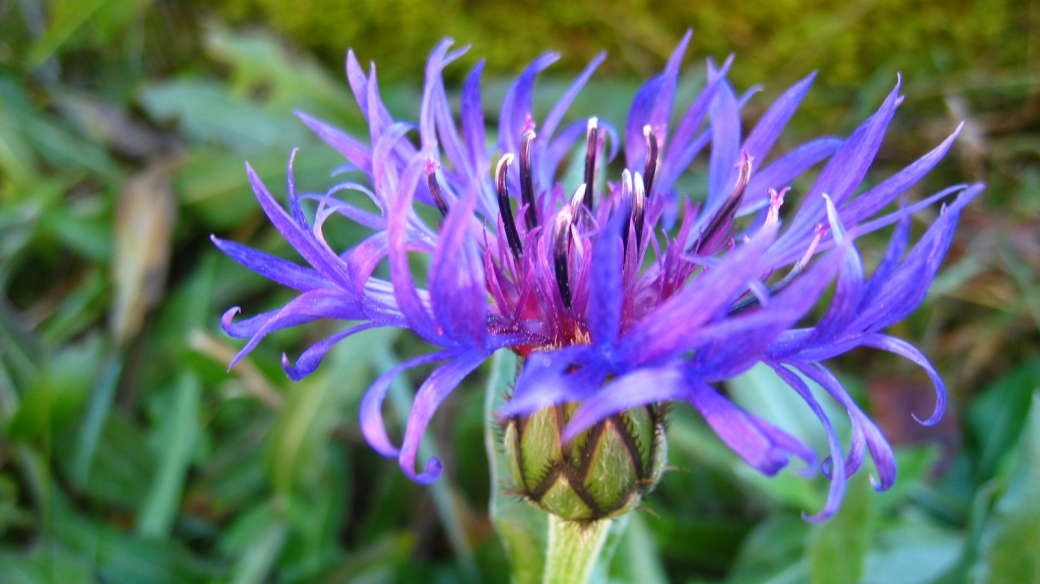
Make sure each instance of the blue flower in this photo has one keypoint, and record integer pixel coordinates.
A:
(611, 307)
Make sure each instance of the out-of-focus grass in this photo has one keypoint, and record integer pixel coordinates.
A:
(129, 454)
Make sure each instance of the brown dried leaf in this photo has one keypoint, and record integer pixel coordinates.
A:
(145, 217)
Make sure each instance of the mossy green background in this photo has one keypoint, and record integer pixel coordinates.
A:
(777, 40)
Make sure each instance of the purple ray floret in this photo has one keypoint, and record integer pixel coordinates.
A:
(617, 296)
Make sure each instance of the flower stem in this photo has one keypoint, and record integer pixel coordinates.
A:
(573, 550)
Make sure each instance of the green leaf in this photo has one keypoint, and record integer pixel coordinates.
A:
(773, 545)
(213, 182)
(179, 433)
(637, 559)
(66, 17)
(913, 464)
(289, 80)
(260, 556)
(694, 438)
(836, 550)
(523, 528)
(47, 564)
(206, 112)
(123, 466)
(912, 554)
(119, 558)
(996, 417)
(98, 409)
(1009, 548)
(60, 392)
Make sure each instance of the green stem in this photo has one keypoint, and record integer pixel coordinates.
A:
(573, 550)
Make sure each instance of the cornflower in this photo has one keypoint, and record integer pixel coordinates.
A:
(615, 313)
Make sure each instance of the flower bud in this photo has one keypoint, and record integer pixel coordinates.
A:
(602, 472)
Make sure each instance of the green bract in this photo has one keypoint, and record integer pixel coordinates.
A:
(601, 473)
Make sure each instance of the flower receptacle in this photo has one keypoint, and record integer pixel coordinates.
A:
(602, 472)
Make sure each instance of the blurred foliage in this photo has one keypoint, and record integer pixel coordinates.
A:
(129, 455)
(774, 40)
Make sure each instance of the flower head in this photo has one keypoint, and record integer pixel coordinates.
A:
(612, 307)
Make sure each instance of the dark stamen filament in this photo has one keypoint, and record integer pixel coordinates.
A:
(506, 208)
(591, 149)
(435, 189)
(638, 208)
(527, 180)
(650, 169)
(561, 250)
(724, 217)
(576, 200)
(626, 204)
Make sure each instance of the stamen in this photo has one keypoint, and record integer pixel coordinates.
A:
(638, 208)
(576, 200)
(505, 208)
(561, 250)
(776, 200)
(789, 277)
(435, 188)
(527, 180)
(719, 225)
(650, 169)
(820, 230)
(591, 149)
(626, 204)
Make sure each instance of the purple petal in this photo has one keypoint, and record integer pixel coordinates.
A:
(784, 170)
(908, 351)
(876, 198)
(864, 429)
(371, 409)
(458, 289)
(731, 346)
(419, 319)
(552, 121)
(356, 152)
(761, 139)
(428, 109)
(761, 445)
(605, 282)
(908, 284)
(896, 248)
(680, 154)
(354, 213)
(725, 148)
(517, 104)
(312, 305)
(472, 113)
(837, 470)
(431, 393)
(849, 290)
(652, 106)
(847, 167)
(311, 358)
(303, 241)
(273, 268)
(247, 328)
(386, 175)
(569, 374)
(641, 387)
(706, 297)
(435, 113)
